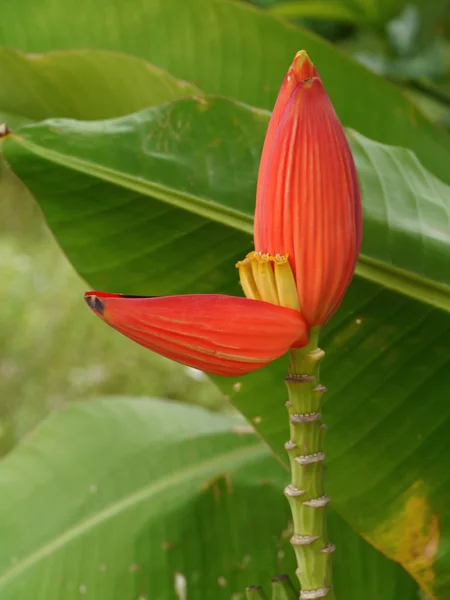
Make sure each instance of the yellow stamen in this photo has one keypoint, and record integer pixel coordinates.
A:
(247, 280)
(268, 278)
(264, 277)
(284, 278)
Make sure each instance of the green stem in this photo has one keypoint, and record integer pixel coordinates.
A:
(306, 492)
(282, 589)
(255, 592)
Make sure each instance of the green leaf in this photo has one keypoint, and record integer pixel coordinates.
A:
(201, 41)
(198, 158)
(171, 211)
(318, 9)
(81, 84)
(120, 498)
(432, 17)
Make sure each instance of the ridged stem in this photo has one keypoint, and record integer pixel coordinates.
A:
(306, 492)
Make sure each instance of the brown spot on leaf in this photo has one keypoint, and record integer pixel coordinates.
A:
(218, 485)
(167, 546)
(411, 536)
(244, 429)
(4, 130)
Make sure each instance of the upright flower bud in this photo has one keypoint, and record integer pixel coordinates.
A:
(308, 203)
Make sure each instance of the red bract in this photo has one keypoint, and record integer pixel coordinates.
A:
(220, 334)
(308, 203)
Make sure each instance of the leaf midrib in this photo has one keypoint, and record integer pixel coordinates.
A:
(223, 461)
(197, 205)
(404, 282)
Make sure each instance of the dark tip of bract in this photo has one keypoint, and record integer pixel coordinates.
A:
(95, 303)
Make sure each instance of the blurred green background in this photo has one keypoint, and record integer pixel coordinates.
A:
(49, 338)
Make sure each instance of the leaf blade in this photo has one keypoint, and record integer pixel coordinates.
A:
(136, 454)
(41, 86)
(404, 249)
(206, 50)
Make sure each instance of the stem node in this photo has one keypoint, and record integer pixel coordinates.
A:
(314, 594)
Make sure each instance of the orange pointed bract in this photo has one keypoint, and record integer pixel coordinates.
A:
(308, 203)
(223, 335)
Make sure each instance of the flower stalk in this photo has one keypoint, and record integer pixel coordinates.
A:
(306, 492)
(255, 592)
(282, 589)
